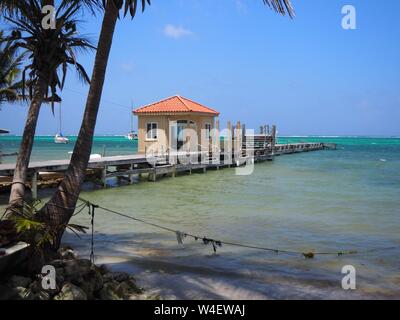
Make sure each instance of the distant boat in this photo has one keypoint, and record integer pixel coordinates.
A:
(131, 135)
(59, 138)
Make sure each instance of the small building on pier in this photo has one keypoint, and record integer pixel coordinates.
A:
(162, 124)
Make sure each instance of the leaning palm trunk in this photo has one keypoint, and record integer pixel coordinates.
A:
(60, 208)
(21, 168)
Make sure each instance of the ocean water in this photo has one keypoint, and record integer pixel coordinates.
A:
(346, 199)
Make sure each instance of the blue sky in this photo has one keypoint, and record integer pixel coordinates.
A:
(307, 75)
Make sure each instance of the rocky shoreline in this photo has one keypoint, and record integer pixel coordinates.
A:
(76, 279)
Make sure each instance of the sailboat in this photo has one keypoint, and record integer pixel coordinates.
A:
(132, 135)
(59, 138)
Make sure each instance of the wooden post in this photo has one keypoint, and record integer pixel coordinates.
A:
(152, 175)
(273, 142)
(34, 185)
(174, 171)
(217, 147)
(131, 175)
(228, 144)
(238, 145)
(217, 141)
(104, 177)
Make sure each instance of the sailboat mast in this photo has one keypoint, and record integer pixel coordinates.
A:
(131, 116)
(60, 119)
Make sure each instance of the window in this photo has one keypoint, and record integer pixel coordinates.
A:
(151, 131)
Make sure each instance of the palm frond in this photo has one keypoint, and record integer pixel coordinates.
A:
(49, 51)
(282, 7)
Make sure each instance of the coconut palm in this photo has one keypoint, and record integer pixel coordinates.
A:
(10, 70)
(50, 52)
(61, 206)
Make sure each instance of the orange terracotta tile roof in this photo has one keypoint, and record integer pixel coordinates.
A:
(175, 104)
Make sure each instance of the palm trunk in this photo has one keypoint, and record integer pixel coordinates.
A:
(21, 168)
(60, 208)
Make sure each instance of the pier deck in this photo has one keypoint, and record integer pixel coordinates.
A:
(128, 166)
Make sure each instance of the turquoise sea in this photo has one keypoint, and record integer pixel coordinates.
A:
(346, 199)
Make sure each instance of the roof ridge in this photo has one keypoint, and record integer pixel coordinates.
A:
(175, 103)
(153, 103)
(181, 100)
(200, 104)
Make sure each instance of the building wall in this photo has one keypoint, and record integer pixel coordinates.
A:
(163, 122)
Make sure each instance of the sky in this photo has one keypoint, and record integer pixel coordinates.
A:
(309, 76)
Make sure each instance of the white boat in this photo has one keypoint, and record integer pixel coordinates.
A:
(131, 135)
(59, 138)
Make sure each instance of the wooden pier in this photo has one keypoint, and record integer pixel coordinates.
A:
(131, 167)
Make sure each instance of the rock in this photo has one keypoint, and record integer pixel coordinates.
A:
(110, 291)
(76, 268)
(92, 283)
(153, 296)
(120, 276)
(58, 263)
(60, 276)
(67, 253)
(19, 281)
(71, 292)
(103, 269)
(83, 274)
(116, 276)
(129, 287)
(21, 293)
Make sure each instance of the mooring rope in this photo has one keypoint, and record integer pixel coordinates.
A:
(206, 240)
(219, 243)
(92, 208)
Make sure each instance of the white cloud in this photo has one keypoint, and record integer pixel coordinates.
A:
(241, 6)
(176, 32)
(128, 67)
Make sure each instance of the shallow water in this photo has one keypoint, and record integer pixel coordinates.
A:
(346, 199)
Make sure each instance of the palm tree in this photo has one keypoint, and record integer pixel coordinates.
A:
(60, 208)
(50, 52)
(10, 70)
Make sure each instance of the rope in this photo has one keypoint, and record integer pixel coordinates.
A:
(218, 243)
(92, 208)
(215, 243)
